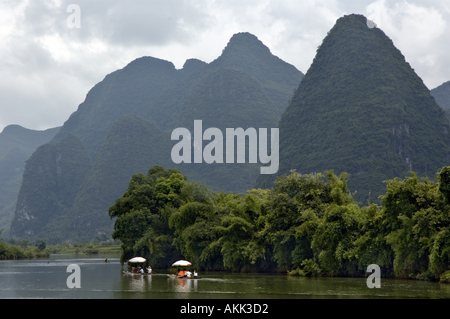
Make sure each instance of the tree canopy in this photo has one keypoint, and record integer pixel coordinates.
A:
(307, 225)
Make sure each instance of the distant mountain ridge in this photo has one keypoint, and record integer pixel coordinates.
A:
(17, 137)
(155, 90)
(124, 124)
(442, 95)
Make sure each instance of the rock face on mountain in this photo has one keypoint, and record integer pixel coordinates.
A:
(362, 109)
(16, 146)
(52, 178)
(125, 125)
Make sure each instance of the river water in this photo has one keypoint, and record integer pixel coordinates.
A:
(47, 278)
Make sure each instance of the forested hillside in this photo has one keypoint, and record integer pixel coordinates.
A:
(238, 100)
(362, 109)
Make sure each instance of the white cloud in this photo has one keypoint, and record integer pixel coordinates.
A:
(420, 31)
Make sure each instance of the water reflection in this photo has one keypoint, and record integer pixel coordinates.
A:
(140, 283)
(47, 279)
(184, 285)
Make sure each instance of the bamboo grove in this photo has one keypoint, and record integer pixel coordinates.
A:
(306, 225)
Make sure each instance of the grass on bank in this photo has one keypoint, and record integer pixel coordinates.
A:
(24, 249)
(86, 248)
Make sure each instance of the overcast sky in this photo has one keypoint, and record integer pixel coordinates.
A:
(47, 67)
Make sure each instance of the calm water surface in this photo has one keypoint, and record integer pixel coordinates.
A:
(47, 279)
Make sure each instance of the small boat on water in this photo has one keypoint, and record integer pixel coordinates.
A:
(183, 277)
(135, 273)
(136, 264)
(183, 274)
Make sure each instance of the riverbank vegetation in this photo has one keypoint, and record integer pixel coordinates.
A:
(23, 249)
(102, 248)
(307, 225)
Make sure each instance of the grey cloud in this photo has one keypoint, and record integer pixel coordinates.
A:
(154, 23)
(118, 22)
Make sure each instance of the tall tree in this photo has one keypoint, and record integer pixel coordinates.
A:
(142, 215)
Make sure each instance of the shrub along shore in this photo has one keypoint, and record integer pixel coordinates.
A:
(13, 252)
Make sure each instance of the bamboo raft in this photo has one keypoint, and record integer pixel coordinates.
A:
(183, 277)
(135, 273)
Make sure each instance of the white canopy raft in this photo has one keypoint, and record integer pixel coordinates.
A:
(137, 260)
(181, 263)
(135, 269)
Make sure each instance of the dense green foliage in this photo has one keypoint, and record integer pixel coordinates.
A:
(307, 225)
(362, 109)
(143, 214)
